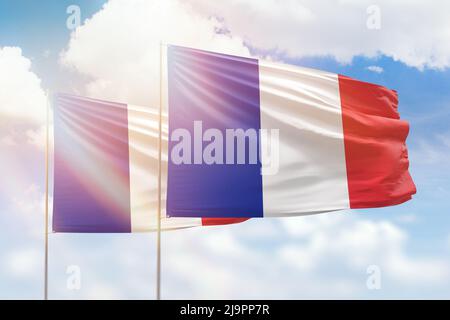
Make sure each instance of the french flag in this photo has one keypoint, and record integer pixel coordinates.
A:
(341, 143)
(330, 143)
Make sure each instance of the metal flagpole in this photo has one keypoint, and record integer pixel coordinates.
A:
(46, 197)
(158, 237)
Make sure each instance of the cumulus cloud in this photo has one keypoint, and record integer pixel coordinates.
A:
(376, 69)
(23, 105)
(361, 242)
(21, 94)
(31, 203)
(340, 28)
(22, 263)
(119, 47)
(434, 151)
(23, 101)
(323, 256)
(22, 236)
(407, 218)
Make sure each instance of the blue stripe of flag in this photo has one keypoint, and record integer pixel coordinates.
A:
(222, 92)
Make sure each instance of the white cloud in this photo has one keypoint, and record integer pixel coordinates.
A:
(359, 243)
(21, 95)
(323, 256)
(407, 218)
(7, 140)
(22, 114)
(23, 102)
(433, 151)
(339, 28)
(103, 292)
(38, 136)
(28, 206)
(119, 47)
(376, 69)
(23, 263)
(30, 202)
(23, 105)
(47, 53)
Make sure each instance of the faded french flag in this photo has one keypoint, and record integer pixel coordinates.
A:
(106, 168)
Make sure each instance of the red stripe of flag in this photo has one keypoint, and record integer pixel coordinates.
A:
(221, 221)
(375, 150)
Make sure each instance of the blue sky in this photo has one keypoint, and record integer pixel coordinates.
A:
(243, 260)
(39, 27)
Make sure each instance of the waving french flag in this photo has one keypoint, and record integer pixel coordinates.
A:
(241, 138)
(339, 143)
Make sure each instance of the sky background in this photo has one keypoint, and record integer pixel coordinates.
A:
(113, 55)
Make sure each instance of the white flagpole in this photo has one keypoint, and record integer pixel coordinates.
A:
(158, 237)
(46, 197)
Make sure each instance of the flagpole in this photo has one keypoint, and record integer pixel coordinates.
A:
(158, 236)
(46, 197)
